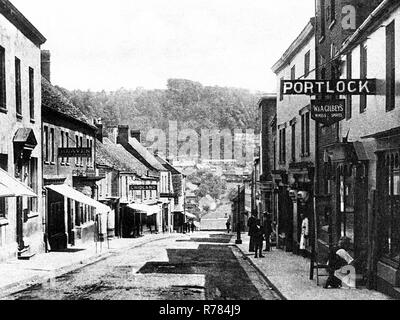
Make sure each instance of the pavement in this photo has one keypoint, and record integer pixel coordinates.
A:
(289, 274)
(42, 267)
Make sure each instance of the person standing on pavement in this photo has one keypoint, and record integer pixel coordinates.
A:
(305, 231)
(252, 224)
(228, 226)
(268, 230)
(193, 227)
(258, 239)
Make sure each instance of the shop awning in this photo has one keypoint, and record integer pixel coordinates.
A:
(75, 195)
(141, 207)
(190, 216)
(11, 187)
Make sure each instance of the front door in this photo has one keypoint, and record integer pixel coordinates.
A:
(57, 229)
(70, 218)
(20, 225)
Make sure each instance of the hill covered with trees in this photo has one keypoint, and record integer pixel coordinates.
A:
(189, 103)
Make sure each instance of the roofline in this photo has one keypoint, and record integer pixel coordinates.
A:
(268, 97)
(305, 35)
(12, 14)
(379, 11)
(70, 117)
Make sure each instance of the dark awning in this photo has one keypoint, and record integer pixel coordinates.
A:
(25, 137)
(360, 151)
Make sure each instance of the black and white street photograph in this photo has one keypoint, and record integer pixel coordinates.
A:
(200, 154)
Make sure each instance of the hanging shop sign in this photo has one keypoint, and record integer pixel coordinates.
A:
(74, 152)
(134, 187)
(334, 87)
(328, 112)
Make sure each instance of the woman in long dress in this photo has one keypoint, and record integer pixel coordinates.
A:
(305, 231)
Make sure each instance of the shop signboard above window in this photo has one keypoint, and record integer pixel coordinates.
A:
(329, 87)
(143, 187)
(328, 112)
(74, 152)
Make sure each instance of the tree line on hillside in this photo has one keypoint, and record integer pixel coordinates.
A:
(189, 103)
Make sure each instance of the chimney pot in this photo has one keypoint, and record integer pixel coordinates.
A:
(137, 135)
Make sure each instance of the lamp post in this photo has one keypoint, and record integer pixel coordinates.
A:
(238, 240)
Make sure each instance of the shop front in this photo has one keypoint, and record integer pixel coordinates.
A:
(70, 212)
(342, 206)
(387, 249)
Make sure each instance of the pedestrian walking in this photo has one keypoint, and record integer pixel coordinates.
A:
(228, 226)
(258, 239)
(268, 230)
(193, 227)
(304, 238)
(252, 223)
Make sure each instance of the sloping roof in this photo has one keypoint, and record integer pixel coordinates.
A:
(54, 99)
(116, 154)
(167, 165)
(13, 15)
(305, 35)
(145, 156)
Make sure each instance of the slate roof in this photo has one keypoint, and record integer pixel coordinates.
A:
(145, 156)
(54, 99)
(167, 165)
(120, 158)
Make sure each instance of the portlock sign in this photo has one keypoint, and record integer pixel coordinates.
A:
(334, 87)
(328, 112)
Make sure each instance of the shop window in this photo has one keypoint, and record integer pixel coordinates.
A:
(307, 59)
(33, 184)
(81, 146)
(18, 97)
(67, 145)
(347, 194)
(3, 102)
(3, 201)
(323, 17)
(32, 93)
(76, 146)
(62, 145)
(391, 209)
(52, 146)
(363, 74)
(349, 98)
(333, 10)
(294, 143)
(46, 145)
(390, 67)
(282, 146)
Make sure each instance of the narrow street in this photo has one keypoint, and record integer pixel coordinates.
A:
(205, 266)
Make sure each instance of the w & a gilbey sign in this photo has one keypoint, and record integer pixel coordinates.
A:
(328, 112)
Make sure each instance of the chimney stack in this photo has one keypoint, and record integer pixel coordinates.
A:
(123, 134)
(99, 124)
(45, 64)
(137, 135)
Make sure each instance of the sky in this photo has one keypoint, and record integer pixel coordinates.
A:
(107, 45)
